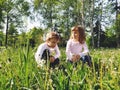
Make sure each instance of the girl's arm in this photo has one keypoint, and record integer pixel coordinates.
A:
(85, 50)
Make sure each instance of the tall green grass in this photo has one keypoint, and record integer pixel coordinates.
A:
(19, 71)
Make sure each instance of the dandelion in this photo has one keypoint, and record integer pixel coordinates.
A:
(56, 68)
(96, 72)
(12, 83)
(66, 70)
(50, 80)
(98, 78)
(41, 63)
(107, 67)
(0, 66)
(115, 68)
(114, 73)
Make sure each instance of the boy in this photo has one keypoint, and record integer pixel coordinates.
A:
(49, 50)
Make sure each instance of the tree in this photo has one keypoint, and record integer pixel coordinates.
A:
(1, 14)
(12, 35)
(116, 9)
(99, 34)
(48, 10)
(1, 38)
(22, 39)
(13, 11)
(35, 36)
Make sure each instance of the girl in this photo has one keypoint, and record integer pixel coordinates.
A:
(49, 50)
(76, 48)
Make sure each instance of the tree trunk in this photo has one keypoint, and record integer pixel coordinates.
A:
(83, 18)
(51, 22)
(98, 42)
(91, 24)
(6, 36)
(99, 25)
(67, 25)
(117, 26)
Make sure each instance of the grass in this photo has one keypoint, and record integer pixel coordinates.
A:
(19, 71)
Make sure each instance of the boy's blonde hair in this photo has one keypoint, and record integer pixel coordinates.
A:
(52, 35)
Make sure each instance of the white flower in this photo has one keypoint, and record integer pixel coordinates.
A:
(41, 63)
(0, 66)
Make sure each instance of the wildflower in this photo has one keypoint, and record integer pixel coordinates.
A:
(115, 68)
(50, 80)
(12, 83)
(96, 73)
(98, 78)
(0, 66)
(41, 63)
(56, 68)
(66, 70)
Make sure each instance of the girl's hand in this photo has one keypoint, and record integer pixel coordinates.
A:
(74, 59)
(78, 57)
(52, 59)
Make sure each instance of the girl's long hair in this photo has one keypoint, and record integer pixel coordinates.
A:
(82, 36)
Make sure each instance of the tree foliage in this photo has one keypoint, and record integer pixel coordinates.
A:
(61, 15)
(35, 36)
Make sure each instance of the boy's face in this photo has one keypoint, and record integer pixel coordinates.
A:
(52, 42)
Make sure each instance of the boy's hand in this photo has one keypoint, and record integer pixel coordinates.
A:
(52, 59)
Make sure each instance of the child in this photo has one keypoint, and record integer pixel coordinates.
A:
(76, 48)
(49, 50)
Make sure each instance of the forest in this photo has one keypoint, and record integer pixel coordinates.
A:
(19, 42)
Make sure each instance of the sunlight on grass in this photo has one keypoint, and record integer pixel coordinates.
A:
(18, 70)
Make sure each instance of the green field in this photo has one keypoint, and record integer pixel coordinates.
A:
(19, 71)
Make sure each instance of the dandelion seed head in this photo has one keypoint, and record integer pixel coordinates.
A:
(66, 70)
(56, 68)
(50, 80)
(0, 66)
(107, 67)
(115, 68)
(98, 78)
(12, 82)
(41, 63)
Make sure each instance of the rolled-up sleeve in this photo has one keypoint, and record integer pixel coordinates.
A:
(68, 50)
(39, 52)
(85, 49)
(57, 52)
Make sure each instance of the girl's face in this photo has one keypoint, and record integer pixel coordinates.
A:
(75, 34)
(52, 42)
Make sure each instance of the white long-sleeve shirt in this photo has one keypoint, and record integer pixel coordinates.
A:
(53, 51)
(75, 48)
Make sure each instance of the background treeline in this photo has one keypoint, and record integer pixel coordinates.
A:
(100, 18)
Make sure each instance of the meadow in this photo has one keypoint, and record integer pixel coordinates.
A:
(19, 71)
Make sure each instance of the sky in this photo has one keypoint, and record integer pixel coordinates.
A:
(28, 23)
(37, 22)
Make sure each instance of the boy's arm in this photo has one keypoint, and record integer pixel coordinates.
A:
(39, 52)
(57, 52)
